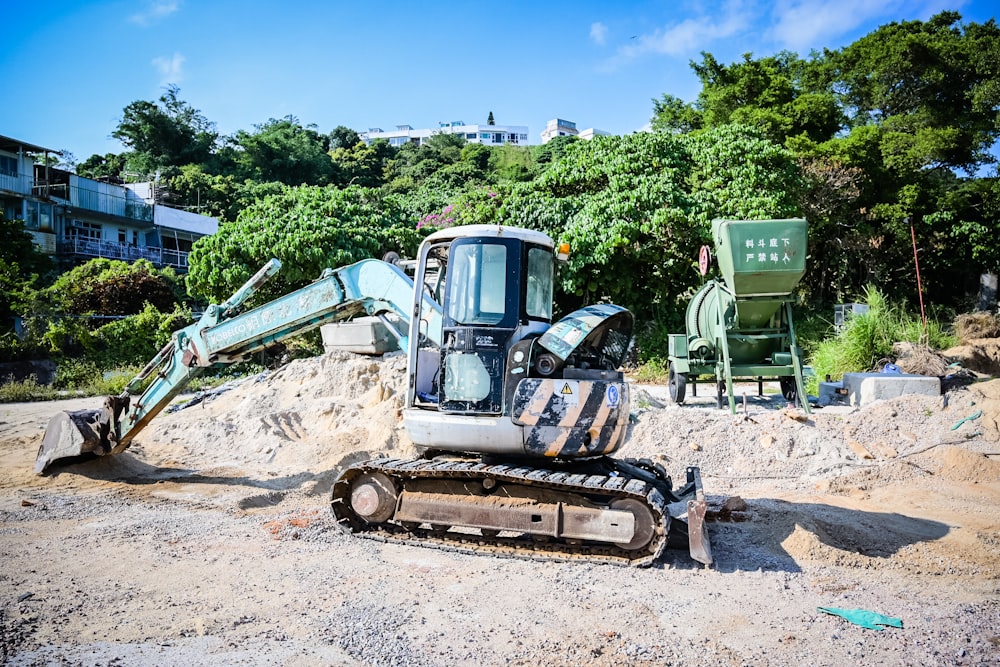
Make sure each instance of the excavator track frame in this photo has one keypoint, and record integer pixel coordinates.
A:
(574, 481)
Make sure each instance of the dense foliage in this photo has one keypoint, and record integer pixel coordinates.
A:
(888, 139)
(23, 269)
(308, 229)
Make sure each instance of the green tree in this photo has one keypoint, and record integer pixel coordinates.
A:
(781, 95)
(107, 166)
(933, 86)
(672, 114)
(309, 229)
(196, 190)
(545, 154)
(413, 164)
(285, 151)
(361, 164)
(343, 137)
(112, 287)
(23, 268)
(167, 133)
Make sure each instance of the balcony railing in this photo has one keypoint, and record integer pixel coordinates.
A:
(160, 257)
(15, 183)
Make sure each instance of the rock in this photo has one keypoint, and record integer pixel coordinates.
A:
(734, 504)
(859, 449)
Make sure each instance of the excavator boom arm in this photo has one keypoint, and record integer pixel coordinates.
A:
(222, 336)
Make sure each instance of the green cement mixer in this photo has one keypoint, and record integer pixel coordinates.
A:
(740, 327)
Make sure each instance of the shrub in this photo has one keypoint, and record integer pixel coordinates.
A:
(75, 373)
(21, 391)
(868, 338)
(137, 338)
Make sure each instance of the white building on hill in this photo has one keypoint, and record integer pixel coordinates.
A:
(559, 127)
(490, 135)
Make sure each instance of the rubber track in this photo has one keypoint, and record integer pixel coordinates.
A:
(607, 486)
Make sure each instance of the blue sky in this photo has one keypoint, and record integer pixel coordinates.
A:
(69, 68)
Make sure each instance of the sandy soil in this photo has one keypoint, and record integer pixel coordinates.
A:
(211, 542)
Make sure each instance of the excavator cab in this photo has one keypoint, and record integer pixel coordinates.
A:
(500, 377)
(497, 291)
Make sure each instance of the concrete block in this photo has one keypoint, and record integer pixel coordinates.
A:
(362, 335)
(865, 388)
(832, 393)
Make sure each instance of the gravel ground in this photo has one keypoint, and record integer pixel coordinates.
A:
(210, 542)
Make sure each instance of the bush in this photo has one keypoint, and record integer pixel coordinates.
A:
(21, 391)
(137, 338)
(868, 338)
(75, 373)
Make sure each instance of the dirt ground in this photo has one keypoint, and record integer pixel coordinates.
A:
(210, 542)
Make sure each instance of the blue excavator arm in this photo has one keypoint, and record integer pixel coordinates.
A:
(224, 335)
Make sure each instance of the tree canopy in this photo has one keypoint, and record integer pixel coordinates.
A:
(167, 133)
(309, 229)
(898, 129)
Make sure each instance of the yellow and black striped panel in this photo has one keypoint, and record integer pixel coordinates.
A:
(571, 418)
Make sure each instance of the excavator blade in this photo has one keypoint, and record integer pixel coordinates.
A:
(71, 435)
(698, 543)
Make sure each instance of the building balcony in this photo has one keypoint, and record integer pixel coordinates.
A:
(160, 257)
(15, 183)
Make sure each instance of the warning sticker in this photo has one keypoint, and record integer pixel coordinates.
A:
(569, 393)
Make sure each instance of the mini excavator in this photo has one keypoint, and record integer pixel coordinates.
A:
(516, 416)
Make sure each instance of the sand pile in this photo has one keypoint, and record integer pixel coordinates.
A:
(841, 450)
(971, 326)
(981, 355)
(986, 397)
(313, 414)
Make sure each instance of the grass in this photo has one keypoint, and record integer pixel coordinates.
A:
(81, 380)
(654, 371)
(23, 391)
(868, 338)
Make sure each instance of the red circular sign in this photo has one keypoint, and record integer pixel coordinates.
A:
(704, 259)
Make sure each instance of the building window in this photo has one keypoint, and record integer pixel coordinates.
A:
(8, 165)
(84, 231)
(470, 135)
(523, 137)
(37, 215)
(123, 236)
(498, 138)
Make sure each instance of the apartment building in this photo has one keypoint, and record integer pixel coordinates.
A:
(560, 127)
(490, 135)
(74, 219)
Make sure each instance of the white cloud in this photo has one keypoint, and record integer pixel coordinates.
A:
(599, 32)
(171, 69)
(154, 11)
(690, 35)
(801, 25)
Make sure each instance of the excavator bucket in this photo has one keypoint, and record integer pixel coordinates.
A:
(68, 435)
(71, 436)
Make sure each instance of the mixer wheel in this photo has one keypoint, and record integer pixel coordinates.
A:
(677, 383)
(788, 389)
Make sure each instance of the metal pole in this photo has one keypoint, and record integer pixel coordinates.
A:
(920, 291)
